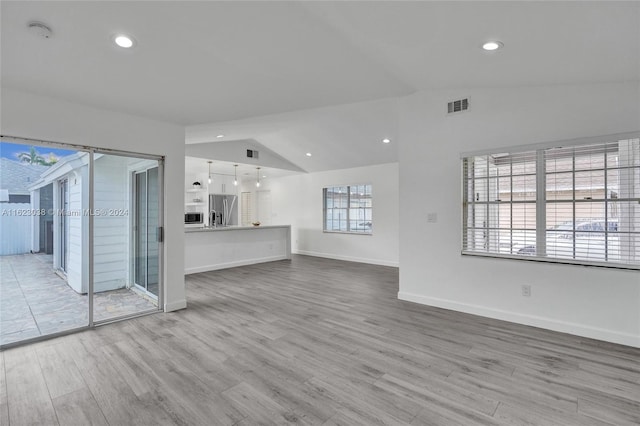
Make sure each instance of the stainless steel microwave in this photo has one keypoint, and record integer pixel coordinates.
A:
(193, 218)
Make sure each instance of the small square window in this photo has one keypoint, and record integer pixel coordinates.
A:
(348, 209)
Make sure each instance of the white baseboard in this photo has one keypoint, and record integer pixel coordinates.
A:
(226, 265)
(347, 258)
(175, 306)
(532, 320)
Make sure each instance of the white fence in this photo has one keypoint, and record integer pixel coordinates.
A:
(15, 229)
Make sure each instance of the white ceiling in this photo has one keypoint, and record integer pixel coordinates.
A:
(236, 151)
(337, 137)
(287, 63)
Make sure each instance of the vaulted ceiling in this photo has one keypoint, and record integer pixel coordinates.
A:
(273, 71)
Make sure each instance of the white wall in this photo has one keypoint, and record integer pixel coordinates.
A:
(37, 117)
(111, 233)
(593, 302)
(297, 200)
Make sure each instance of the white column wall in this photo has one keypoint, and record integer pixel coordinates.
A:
(593, 302)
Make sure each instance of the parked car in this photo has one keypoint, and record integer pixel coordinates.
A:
(590, 241)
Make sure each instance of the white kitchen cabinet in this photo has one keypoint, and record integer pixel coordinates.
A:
(221, 184)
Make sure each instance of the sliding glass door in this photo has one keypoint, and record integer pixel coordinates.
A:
(80, 238)
(146, 230)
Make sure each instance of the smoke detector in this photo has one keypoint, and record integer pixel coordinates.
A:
(39, 29)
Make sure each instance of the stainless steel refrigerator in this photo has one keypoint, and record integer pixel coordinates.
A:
(223, 210)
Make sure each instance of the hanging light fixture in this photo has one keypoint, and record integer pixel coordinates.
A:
(209, 180)
(258, 177)
(235, 175)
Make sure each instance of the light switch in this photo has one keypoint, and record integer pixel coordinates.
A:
(432, 217)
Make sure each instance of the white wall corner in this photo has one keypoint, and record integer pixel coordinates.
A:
(597, 303)
(175, 306)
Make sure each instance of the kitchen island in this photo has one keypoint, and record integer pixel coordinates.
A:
(209, 249)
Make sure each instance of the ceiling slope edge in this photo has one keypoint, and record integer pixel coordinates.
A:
(236, 151)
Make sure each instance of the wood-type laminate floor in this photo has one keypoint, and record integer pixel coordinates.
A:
(320, 342)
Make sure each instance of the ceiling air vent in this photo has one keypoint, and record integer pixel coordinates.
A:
(252, 153)
(458, 106)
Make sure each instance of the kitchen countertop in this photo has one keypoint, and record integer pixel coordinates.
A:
(231, 228)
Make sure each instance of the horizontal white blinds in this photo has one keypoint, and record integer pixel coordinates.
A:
(578, 203)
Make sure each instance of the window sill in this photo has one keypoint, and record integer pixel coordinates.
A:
(593, 264)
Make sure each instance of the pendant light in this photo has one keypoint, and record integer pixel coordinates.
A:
(235, 175)
(258, 177)
(209, 180)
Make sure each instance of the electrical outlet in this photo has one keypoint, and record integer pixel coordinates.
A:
(526, 290)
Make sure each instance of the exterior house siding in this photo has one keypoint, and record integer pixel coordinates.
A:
(111, 231)
(74, 238)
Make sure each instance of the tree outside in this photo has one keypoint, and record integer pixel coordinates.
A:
(34, 157)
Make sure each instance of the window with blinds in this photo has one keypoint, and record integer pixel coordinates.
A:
(348, 209)
(575, 204)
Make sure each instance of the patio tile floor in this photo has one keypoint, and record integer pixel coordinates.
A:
(34, 301)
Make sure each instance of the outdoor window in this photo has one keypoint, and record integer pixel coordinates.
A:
(574, 204)
(348, 209)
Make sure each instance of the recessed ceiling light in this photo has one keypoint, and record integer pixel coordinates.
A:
(308, 154)
(492, 45)
(220, 136)
(123, 41)
(386, 140)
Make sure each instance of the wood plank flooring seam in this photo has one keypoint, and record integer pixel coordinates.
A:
(496, 408)
(88, 388)
(47, 386)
